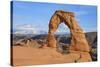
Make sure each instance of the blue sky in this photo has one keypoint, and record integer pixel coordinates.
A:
(34, 17)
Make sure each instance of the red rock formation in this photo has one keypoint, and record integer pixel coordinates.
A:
(78, 39)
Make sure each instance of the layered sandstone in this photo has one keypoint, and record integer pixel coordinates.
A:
(78, 39)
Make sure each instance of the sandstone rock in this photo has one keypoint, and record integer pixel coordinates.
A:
(30, 56)
(28, 43)
(78, 40)
(43, 46)
(51, 41)
(83, 56)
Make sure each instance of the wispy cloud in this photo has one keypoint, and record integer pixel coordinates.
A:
(25, 29)
(80, 13)
(90, 30)
(28, 29)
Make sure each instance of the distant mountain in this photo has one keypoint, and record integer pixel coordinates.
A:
(92, 38)
(64, 38)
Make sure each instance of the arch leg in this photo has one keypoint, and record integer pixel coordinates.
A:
(53, 25)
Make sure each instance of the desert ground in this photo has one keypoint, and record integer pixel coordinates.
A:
(30, 56)
(27, 50)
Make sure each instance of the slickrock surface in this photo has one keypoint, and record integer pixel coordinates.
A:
(31, 56)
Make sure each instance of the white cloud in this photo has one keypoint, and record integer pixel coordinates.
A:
(90, 29)
(78, 13)
(29, 29)
(25, 29)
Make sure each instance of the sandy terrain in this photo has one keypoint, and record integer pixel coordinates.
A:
(33, 56)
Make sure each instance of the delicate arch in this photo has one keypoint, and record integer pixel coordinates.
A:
(78, 39)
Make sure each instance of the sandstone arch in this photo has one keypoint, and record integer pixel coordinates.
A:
(78, 39)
